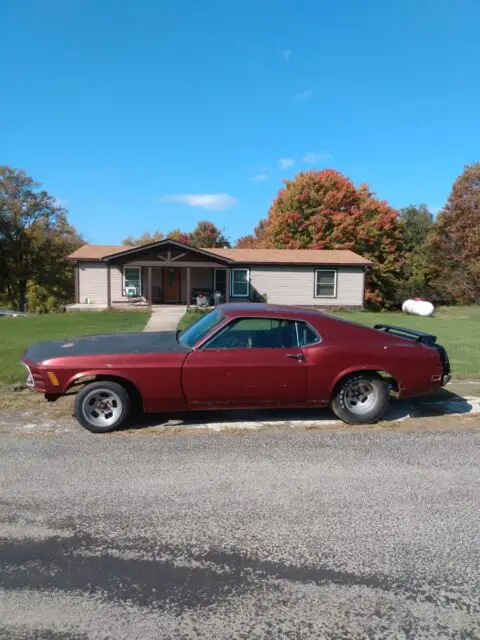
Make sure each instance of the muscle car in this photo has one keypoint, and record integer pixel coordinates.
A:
(240, 356)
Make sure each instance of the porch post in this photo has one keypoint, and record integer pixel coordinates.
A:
(77, 283)
(227, 285)
(189, 287)
(109, 286)
(149, 285)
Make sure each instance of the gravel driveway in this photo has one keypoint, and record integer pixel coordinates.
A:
(285, 534)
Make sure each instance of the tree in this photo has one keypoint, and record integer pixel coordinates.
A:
(145, 238)
(418, 222)
(324, 210)
(417, 273)
(35, 238)
(205, 235)
(454, 243)
(179, 236)
(246, 242)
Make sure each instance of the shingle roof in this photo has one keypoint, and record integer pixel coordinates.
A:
(96, 252)
(292, 256)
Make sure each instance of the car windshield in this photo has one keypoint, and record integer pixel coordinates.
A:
(199, 329)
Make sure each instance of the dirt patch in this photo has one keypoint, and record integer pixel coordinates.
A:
(32, 401)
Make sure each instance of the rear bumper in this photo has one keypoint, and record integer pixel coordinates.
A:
(446, 379)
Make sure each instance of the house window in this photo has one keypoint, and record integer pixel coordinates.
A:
(325, 283)
(132, 279)
(240, 283)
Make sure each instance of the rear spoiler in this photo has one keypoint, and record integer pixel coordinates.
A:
(401, 332)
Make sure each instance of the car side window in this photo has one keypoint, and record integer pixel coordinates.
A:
(256, 333)
(306, 335)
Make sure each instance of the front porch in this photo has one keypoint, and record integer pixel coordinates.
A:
(170, 274)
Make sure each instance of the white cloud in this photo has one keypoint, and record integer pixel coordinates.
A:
(260, 176)
(210, 201)
(284, 163)
(312, 157)
(287, 53)
(303, 95)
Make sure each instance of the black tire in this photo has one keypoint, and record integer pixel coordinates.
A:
(109, 401)
(361, 398)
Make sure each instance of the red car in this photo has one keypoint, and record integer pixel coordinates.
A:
(241, 356)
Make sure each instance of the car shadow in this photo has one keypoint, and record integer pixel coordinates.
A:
(443, 403)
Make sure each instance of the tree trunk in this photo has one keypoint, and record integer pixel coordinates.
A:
(22, 295)
(11, 296)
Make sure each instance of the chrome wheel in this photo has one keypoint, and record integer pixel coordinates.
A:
(361, 396)
(102, 407)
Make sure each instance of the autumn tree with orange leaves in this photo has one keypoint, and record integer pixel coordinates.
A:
(453, 246)
(325, 210)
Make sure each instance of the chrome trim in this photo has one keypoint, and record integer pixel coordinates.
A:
(29, 382)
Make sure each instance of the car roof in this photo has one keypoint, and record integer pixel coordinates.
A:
(240, 309)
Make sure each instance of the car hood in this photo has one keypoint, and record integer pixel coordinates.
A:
(111, 344)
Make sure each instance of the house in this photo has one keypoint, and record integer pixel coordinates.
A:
(169, 272)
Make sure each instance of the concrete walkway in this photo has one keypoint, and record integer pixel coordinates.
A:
(165, 318)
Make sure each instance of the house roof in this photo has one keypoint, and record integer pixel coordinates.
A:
(97, 253)
(292, 256)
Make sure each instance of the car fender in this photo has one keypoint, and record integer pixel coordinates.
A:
(113, 373)
(358, 369)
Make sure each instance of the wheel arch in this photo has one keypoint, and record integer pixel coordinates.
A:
(85, 378)
(379, 371)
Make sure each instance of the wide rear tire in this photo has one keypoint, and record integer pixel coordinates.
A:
(361, 398)
(101, 407)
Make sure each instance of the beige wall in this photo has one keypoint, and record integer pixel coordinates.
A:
(283, 285)
(296, 285)
(92, 281)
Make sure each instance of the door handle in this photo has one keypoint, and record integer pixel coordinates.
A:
(295, 356)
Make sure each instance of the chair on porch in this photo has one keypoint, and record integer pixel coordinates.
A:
(133, 296)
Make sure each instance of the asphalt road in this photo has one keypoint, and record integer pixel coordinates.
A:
(288, 534)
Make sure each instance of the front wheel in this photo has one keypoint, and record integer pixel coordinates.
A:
(361, 398)
(102, 406)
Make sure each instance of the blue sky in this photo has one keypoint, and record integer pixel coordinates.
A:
(154, 114)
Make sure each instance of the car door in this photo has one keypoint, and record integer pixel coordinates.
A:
(251, 362)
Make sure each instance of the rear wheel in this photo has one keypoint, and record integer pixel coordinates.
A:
(361, 398)
(102, 406)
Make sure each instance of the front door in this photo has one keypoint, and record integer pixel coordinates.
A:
(253, 362)
(171, 285)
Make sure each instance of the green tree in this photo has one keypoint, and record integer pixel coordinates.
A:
(454, 243)
(417, 273)
(35, 238)
(417, 221)
(324, 210)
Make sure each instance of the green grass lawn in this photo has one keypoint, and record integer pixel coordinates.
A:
(457, 329)
(191, 316)
(16, 334)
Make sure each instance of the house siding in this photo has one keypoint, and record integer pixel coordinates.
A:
(92, 282)
(296, 285)
(116, 283)
(282, 284)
